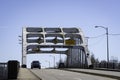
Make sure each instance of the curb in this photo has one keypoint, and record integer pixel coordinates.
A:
(115, 70)
(103, 75)
(35, 75)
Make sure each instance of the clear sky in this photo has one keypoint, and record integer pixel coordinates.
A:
(85, 14)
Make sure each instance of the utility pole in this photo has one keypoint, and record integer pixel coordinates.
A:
(107, 38)
(53, 60)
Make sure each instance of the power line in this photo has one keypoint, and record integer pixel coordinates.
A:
(96, 36)
(97, 42)
(87, 38)
(115, 34)
(102, 36)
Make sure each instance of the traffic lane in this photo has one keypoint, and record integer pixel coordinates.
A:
(54, 74)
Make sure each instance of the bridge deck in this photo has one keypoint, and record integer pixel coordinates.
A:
(26, 74)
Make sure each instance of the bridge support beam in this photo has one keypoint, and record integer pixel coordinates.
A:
(76, 58)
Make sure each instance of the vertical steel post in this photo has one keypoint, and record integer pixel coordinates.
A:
(107, 48)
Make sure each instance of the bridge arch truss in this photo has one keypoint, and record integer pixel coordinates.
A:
(69, 41)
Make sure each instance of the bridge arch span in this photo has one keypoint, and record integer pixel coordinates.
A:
(39, 40)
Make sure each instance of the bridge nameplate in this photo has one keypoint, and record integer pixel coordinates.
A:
(70, 42)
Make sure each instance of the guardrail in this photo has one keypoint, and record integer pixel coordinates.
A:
(3, 71)
(9, 70)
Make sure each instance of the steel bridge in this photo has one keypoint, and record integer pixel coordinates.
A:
(69, 41)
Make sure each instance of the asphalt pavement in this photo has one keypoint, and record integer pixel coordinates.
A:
(66, 74)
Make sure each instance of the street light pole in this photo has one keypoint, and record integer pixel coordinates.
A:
(48, 63)
(106, 28)
(53, 60)
(22, 45)
(107, 46)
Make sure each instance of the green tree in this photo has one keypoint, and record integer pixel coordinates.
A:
(93, 59)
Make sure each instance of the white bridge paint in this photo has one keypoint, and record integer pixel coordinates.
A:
(53, 40)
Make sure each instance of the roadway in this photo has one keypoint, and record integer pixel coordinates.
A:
(55, 74)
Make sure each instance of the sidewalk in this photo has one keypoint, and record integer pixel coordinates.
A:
(25, 74)
(110, 74)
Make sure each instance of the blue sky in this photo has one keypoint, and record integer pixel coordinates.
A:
(85, 14)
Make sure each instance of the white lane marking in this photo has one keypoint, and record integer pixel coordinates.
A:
(77, 79)
(61, 74)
